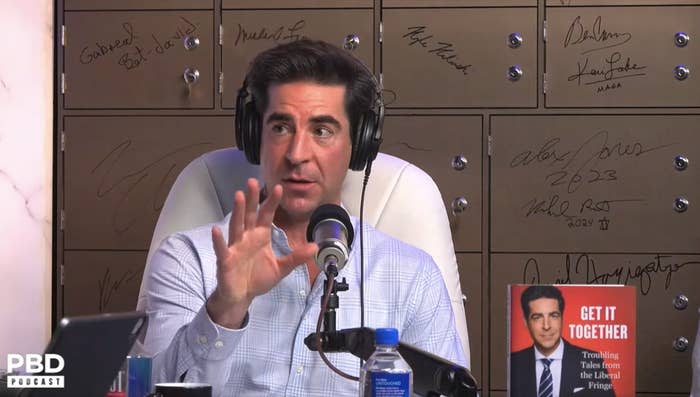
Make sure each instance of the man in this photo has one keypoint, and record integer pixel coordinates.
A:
(552, 366)
(230, 304)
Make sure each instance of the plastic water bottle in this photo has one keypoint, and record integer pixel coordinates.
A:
(386, 373)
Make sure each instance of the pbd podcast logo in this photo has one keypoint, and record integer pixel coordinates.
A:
(30, 365)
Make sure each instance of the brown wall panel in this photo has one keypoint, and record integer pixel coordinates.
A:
(621, 57)
(593, 183)
(248, 32)
(118, 171)
(132, 60)
(101, 282)
(459, 57)
(565, 3)
(458, 3)
(431, 143)
(470, 276)
(659, 279)
(228, 4)
(137, 4)
(554, 181)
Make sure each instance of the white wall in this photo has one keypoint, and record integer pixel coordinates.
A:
(26, 118)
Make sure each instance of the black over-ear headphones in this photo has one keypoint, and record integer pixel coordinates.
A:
(365, 140)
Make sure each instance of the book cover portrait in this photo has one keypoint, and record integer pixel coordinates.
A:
(571, 340)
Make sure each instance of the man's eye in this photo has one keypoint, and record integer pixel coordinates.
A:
(323, 132)
(279, 128)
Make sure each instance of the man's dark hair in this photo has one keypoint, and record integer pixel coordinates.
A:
(534, 292)
(314, 61)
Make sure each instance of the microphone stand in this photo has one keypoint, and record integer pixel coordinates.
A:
(329, 317)
(432, 375)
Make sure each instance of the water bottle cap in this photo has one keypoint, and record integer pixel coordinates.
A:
(387, 336)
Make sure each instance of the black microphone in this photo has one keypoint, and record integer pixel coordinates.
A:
(331, 229)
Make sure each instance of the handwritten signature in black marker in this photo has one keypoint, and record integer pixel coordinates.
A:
(441, 49)
(579, 34)
(277, 34)
(614, 68)
(583, 269)
(109, 286)
(580, 165)
(115, 180)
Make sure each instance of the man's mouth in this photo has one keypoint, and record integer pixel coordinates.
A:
(297, 180)
(297, 183)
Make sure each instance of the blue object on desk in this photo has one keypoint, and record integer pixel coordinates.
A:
(139, 376)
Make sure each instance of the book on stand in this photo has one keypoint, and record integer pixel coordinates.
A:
(580, 338)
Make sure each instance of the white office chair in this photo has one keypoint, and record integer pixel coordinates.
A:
(401, 200)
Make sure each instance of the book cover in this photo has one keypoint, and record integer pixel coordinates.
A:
(576, 339)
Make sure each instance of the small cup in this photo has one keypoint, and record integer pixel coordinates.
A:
(181, 390)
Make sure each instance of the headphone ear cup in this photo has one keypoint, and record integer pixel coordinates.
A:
(365, 146)
(374, 137)
(251, 133)
(247, 123)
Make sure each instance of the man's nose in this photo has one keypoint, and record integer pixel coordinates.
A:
(546, 324)
(298, 149)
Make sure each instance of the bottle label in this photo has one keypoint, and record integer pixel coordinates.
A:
(390, 385)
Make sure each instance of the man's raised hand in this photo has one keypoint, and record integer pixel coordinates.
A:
(246, 264)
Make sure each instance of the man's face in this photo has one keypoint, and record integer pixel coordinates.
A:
(544, 324)
(305, 146)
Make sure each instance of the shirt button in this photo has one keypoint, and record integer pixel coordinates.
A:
(300, 369)
(219, 344)
(202, 339)
(302, 293)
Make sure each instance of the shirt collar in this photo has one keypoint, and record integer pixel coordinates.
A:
(558, 353)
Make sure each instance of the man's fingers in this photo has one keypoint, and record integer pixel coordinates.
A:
(304, 254)
(269, 206)
(235, 226)
(251, 205)
(220, 245)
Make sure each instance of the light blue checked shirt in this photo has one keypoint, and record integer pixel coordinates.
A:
(403, 289)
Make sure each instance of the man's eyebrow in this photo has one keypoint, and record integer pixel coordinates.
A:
(276, 116)
(327, 119)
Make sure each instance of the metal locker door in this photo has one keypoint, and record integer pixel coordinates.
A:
(118, 171)
(248, 32)
(448, 148)
(101, 281)
(138, 5)
(594, 183)
(138, 60)
(460, 57)
(622, 56)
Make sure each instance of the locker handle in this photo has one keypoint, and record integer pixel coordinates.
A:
(190, 42)
(190, 76)
(459, 204)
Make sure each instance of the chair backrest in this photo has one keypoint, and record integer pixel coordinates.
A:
(401, 201)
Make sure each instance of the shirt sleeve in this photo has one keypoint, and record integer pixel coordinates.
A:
(185, 343)
(431, 325)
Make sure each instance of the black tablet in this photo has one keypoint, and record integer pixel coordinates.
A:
(93, 349)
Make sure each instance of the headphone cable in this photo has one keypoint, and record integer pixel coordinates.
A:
(368, 169)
